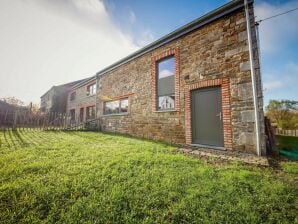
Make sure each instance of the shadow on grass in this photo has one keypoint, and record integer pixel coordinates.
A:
(20, 139)
(6, 138)
(10, 136)
(113, 134)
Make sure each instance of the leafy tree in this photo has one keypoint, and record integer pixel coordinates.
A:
(284, 113)
(13, 101)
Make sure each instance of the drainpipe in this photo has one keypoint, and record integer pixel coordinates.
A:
(259, 54)
(253, 79)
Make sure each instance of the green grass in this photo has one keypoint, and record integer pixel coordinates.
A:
(287, 142)
(290, 167)
(84, 177)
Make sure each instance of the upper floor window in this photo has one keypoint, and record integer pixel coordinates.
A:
(72, 96)
(116, 106)
(166, 84)
(91, 89)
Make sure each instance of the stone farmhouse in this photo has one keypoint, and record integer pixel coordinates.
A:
(54, 100)
(81, 101)
(200, 85)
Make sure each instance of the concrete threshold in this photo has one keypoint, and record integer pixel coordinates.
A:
(226, 155)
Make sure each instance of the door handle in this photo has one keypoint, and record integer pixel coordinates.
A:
(219, 115)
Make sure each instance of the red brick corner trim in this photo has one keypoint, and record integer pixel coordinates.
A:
(155, 58)
(226, 110)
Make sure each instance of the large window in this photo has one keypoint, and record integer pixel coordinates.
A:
(90, 112)
(116, 106)
(91, 89)
(166, 84)
(72, 96)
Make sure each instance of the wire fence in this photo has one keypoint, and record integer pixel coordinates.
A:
(25, 119)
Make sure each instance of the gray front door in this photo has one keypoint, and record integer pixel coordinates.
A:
(206, 117)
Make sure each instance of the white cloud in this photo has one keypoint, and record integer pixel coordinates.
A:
(45, 43)
(284, 78)
(271, 85)
(276, 33)
(165, 73)
(146, 37)
(132, 17)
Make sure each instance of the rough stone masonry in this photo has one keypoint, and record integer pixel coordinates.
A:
(214, 54)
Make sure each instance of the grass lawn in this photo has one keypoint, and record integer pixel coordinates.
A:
(85, 177)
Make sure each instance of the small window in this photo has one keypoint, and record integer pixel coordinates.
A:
(72, 96)
(166, 84)
(90, 112)
(116, 107)
(91, 90)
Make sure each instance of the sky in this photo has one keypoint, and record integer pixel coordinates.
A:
(51, 42)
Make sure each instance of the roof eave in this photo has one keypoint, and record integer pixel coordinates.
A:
(84, 82)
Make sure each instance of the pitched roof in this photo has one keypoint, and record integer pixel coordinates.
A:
(70, 84)
(83, 82)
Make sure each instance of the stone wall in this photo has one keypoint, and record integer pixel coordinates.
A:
(54, 101)
(218, 50)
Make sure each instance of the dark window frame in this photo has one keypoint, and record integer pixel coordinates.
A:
(91, 89)
(119, 107)
(155, 58)
(169, 57)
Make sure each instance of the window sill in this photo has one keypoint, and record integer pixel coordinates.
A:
(119, 114)
(164, 111)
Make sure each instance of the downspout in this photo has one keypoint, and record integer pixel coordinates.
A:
(259, 55)
(253, 79)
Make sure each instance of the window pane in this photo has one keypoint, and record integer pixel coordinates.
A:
(166, 102)
(166, 68)
(112, 107)
(166, 84)
(93, 91)
(124, 106)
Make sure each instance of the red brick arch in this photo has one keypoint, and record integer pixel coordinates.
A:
(226, 110)
(155, 58)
